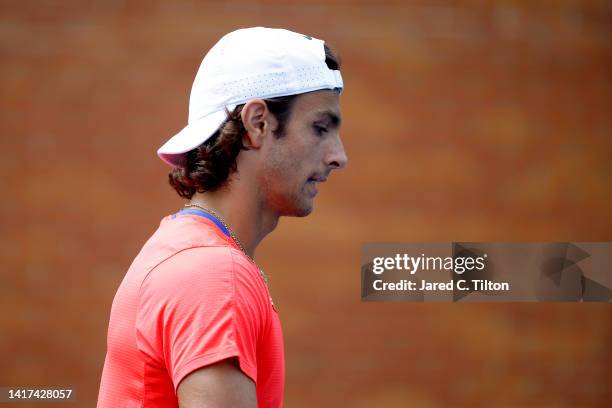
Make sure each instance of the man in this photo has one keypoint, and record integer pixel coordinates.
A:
(193, 323)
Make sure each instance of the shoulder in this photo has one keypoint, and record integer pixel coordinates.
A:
(205, 270)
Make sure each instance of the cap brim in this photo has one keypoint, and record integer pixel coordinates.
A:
(192, 136)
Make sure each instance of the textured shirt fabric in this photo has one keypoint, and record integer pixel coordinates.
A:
(191, 298)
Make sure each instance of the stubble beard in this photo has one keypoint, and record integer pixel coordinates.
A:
(282, 198)
(289, 204)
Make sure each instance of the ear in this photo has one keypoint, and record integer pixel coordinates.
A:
(257, 121)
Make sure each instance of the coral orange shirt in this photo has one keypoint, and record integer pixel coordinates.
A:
(191, 298)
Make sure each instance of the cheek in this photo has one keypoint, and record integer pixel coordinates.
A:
(278, 175)
(286, 163)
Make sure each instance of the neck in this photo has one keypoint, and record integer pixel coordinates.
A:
(242, 213)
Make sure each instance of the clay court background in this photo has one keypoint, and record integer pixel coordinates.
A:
(462, 122)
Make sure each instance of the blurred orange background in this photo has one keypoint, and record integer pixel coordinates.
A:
(462, 121)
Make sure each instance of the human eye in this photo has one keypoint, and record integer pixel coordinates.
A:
(319, 130)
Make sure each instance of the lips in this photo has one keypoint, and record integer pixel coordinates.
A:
(312, 183)
(318, 179)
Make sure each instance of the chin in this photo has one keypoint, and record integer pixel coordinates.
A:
(294, 205)
(305, 212)
(299, 210)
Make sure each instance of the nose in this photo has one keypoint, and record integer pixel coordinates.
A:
(336, 159)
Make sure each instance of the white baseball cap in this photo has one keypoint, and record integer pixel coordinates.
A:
(247, 64)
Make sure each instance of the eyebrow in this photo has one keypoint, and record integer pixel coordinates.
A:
(331, 116)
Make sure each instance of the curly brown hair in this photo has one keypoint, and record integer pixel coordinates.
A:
(208, 166)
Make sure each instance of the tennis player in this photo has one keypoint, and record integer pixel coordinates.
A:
(193, 323)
